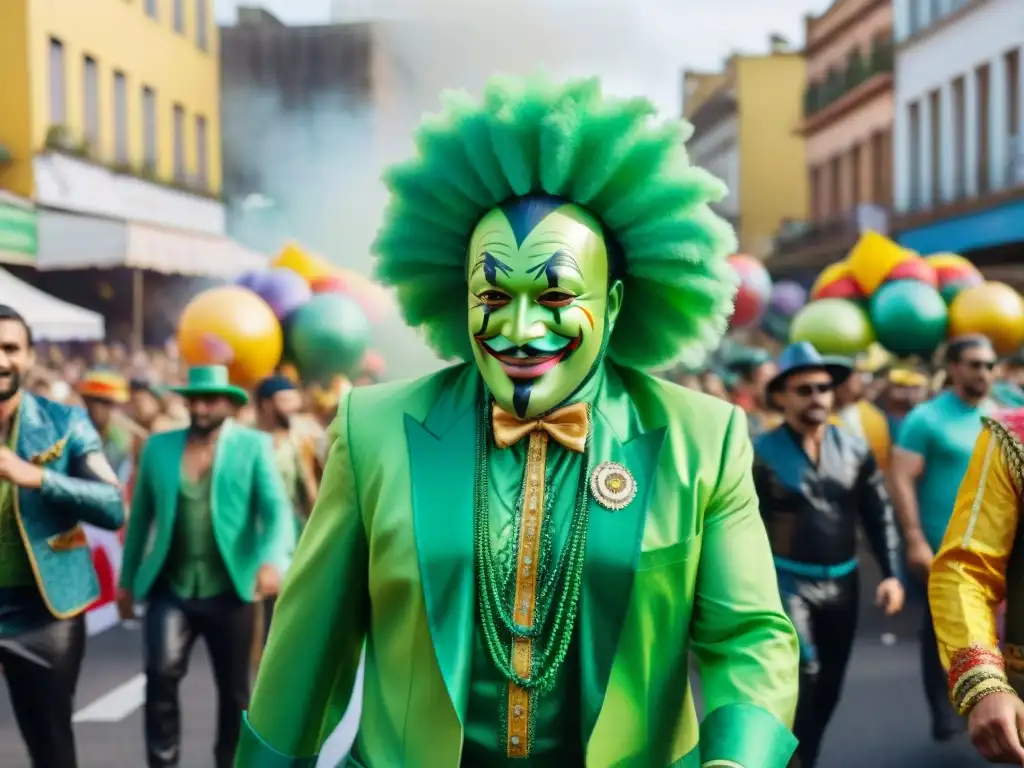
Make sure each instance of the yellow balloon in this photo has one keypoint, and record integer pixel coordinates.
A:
(994, 310)
(304, 264)
(231, 326)
(872, 258)
(829, 275)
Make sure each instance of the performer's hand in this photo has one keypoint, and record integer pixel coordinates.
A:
(889, 596)
(920, 555)
(16, 470)
(268, 581)
(995, 725)
(125, 605)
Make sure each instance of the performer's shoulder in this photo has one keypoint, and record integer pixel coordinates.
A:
(61, 416)
(1011, 420)
(680, 405)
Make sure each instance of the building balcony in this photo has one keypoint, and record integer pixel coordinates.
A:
(713, 111)
(811, 245)
(79, 185)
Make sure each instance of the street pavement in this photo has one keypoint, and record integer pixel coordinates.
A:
(881, 722)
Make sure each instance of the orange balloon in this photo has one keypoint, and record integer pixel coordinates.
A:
(231, 326)
(374, 298)
(994, 310)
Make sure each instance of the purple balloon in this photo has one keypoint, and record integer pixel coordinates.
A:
(251, 280)
(284, 290)
(788, 298)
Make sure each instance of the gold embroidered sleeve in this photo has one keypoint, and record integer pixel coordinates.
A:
(968, 577)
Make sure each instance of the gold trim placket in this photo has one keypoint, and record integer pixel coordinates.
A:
(518, 729)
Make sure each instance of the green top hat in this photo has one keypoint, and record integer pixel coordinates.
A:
(211, 380)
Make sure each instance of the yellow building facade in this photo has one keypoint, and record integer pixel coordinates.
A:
(133, 85)
(745, 133)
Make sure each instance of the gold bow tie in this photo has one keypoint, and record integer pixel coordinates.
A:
(568, 426)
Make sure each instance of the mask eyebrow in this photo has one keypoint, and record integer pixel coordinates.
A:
(560, 260)
(490, 265)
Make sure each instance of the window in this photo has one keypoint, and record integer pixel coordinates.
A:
(984, 126)
(58, 96)
(936, 11)
(202, 24)
(120, 118)
(202, 157)
(959, 139)
(179, 16)
(856, 188)
(915, 16)
(149, 137)
(179, 143)
(1012, 64)
(914, 123)
(835, 183)
(935, 161)
(90, 103)
(153, 9)
(816, 193)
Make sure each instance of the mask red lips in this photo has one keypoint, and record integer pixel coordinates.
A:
(535, 366)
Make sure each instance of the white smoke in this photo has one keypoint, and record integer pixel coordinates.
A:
(328, 194)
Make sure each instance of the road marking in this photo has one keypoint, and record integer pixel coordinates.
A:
(116, 705)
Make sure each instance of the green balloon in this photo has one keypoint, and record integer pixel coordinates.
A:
(910, 317)
(833, 326)
(327, 336)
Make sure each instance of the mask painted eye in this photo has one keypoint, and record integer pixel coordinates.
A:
(493, 298)
(555, 299)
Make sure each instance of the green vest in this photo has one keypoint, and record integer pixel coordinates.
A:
(15, 568)
(195, 568)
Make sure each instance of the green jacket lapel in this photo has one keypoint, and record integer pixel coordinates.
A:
(221, 474)
(442, 455)
(614, 539)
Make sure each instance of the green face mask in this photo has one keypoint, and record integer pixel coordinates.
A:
(540, 304)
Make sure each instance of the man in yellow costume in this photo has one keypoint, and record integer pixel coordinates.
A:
(980, 563)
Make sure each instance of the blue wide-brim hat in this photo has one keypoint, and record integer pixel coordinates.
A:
(801, 357)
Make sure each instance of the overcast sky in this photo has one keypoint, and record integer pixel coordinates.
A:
(710, 31)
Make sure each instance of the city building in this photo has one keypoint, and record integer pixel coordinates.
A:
(959, 155)
(847, 126)
(311, 115)
(743, 119)
(112, 127)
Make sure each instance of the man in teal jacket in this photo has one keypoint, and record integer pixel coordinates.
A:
(53, 478)
(210, 532)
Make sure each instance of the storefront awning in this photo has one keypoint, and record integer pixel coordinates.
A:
(50, 318)
(72, 241)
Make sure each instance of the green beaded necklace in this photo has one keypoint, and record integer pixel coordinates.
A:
(497, 610)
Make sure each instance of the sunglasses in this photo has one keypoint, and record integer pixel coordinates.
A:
(806, 390)
(977, 365)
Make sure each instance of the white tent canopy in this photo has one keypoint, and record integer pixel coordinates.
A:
(50, 318)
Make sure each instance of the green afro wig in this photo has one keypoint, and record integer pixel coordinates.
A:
(607, 155)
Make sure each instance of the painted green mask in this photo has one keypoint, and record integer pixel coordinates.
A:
(540, 302)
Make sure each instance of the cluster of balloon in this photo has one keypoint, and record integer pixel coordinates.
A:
(303, 310)
(787, 299)
(910, 304)
(753, 293)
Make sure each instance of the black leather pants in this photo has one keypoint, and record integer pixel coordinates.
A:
(171, 627)
(41, 668)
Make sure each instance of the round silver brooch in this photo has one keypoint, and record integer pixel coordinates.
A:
(612, 485)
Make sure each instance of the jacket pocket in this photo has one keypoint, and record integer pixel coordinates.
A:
(673, 553)
(68, 540)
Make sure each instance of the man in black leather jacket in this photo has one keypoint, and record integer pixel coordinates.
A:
(815, 482)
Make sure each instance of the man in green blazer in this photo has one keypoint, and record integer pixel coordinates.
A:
(530, 545)
(210, 532)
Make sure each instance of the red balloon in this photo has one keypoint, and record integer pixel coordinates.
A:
(329, 284)
(914, 269)
(749, 306)
(843, 288)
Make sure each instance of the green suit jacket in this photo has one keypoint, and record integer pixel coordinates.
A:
(387, 560)
(252, 516)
